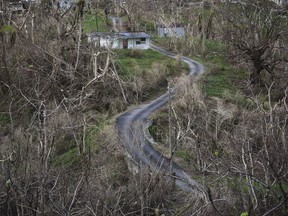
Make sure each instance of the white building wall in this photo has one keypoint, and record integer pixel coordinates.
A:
(116, 43)
(132, 43)
(111, 43)
(120, 44)
(171, 32)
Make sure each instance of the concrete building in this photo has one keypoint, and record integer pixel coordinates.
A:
(120, 40)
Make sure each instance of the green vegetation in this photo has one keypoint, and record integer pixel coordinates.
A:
(68, 158)
(221, 78)
(133, 62)
(7, 28)
(92, 139)
(147, 25)
(4, 118)
(91, 21)
(153, 130)
(184, 154)
(93, 142)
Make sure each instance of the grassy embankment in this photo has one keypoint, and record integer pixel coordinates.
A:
(134, 62)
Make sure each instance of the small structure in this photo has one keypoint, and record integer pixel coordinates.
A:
(120, 40)
(172, 30)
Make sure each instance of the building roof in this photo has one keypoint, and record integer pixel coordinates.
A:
(126, 35)
(122, 35)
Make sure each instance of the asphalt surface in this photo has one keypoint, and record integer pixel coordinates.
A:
(131, 128)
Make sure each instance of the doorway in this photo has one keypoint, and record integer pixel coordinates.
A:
(125, 44)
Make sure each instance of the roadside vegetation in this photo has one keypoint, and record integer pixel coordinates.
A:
(218, 127)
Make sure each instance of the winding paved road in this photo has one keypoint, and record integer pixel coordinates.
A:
(131, 128)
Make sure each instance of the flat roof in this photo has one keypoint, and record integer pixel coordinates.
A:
(123, 35)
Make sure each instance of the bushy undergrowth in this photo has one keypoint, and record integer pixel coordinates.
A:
(238, 154)
(59, 150)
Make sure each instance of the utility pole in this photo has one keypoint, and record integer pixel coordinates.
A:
(169, 129)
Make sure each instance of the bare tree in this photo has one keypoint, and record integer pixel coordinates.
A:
(228, 144)
(257, 33)
(50, 80)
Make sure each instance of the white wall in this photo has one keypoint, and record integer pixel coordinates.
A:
(115, 43)
(111, 43)
(132, 44)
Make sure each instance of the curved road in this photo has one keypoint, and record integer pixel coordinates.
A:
(132, 124)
